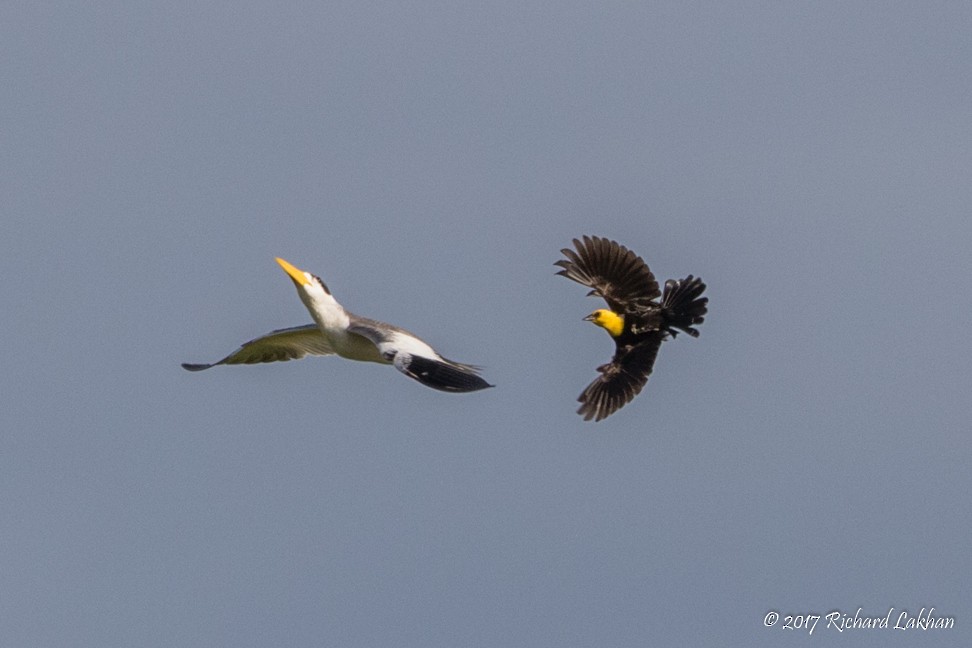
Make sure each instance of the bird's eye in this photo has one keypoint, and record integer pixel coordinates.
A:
(323, 285)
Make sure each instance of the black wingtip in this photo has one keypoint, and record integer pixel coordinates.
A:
(195, 367)
(440, 375)
(597, 408)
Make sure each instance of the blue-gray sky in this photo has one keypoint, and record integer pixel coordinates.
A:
(808, 453)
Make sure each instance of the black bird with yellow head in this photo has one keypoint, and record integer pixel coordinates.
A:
(635, 319)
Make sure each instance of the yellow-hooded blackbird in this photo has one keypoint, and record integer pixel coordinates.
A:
(636, 321)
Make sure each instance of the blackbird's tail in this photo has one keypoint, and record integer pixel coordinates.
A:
(683, 305)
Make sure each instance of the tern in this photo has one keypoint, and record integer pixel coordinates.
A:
(337, 331)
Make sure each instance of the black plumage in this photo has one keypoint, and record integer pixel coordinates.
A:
(624, 281)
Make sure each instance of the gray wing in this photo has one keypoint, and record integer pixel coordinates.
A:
(277, 346)
(376, 332)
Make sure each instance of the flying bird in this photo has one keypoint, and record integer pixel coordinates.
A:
(339, 332)
(636, 321)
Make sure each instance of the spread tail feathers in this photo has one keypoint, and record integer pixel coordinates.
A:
(683, 304)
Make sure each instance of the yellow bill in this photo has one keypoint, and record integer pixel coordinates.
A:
(295, 273)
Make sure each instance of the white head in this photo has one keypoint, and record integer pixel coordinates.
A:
(316, 297)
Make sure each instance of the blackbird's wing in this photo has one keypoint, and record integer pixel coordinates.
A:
(621, 379)
(611, 270)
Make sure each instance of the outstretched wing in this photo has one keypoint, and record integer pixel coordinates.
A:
(276, 346)
(611, 270)
(621, 380)
(418, 360)
(440, 374)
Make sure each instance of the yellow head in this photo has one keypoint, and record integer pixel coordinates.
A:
(608, 320)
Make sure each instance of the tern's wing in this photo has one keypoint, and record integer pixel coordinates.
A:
(418, 360)
(280, 345)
